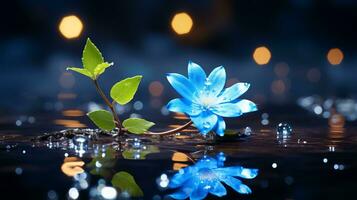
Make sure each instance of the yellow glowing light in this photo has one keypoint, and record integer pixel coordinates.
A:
(335, 56)
(72, 166)
(178, 166)
(262, 55)
(180, 157)
(69, 123)
(182, 23)
(72, 113)
(70, 26)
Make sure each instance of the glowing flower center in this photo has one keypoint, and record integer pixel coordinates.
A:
(207, 102)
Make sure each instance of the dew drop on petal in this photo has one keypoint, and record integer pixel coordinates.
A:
(206, 125)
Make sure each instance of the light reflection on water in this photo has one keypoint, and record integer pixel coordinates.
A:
(327, 149)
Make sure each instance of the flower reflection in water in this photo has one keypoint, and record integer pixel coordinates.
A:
(206, 176)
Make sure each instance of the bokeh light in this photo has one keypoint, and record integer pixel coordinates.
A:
(262, 55)
(67, 80)
(70, 27)
(281, 69)
(156, 88)
(335, 56)
(313, 75)
(278, 87)
(182, 23)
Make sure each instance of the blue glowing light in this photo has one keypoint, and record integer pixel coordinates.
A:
(206, 176)
(205, 100)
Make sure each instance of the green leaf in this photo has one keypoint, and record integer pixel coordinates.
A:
(91, 56)
(103, 119)
(137, 125)
(135, 154)
(126, 182)
(107, 163)
(124, 91)
(85, 72)
(101, 68)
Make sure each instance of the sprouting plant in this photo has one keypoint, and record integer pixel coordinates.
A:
(121, 92)
(204, 98)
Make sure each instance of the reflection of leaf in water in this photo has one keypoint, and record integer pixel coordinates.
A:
(140, 154)
(126, 183)
(107, 163)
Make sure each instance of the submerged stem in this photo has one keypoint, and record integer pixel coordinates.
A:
(110, 105)
(172, 131)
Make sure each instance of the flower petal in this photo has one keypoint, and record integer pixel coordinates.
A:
(233, 92)
(216, 81)
(227, 110)
(184, 106)
(234, 108)
(196, 75)
(179, 195)
(205, 121)
(237, 171)
(236, 184)
(182, 85)
(220, 126)
(218, 189)
(246, 105)
(199, 193)
(181, 177)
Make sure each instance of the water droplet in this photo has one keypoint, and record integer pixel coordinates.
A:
(265, 122)
(18, 122)
(208, 82)
(79, 140)
(247, 131)
(206, 125)
(265, 116)
(18, 170)
(284, 129)
(136, 143)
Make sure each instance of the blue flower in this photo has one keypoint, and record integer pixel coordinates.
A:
(205, 100)
(206, 176)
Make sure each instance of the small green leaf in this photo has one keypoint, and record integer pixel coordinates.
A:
(137, 125)
(103, 119)
(124, 91)
(126, 183)
(101, 68)
(85, 72)
(91, 57)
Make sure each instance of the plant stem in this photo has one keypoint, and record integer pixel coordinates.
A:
(110, 105)
(169, 132)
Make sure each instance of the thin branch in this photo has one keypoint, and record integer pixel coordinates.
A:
(110, 105)
(169, 132)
